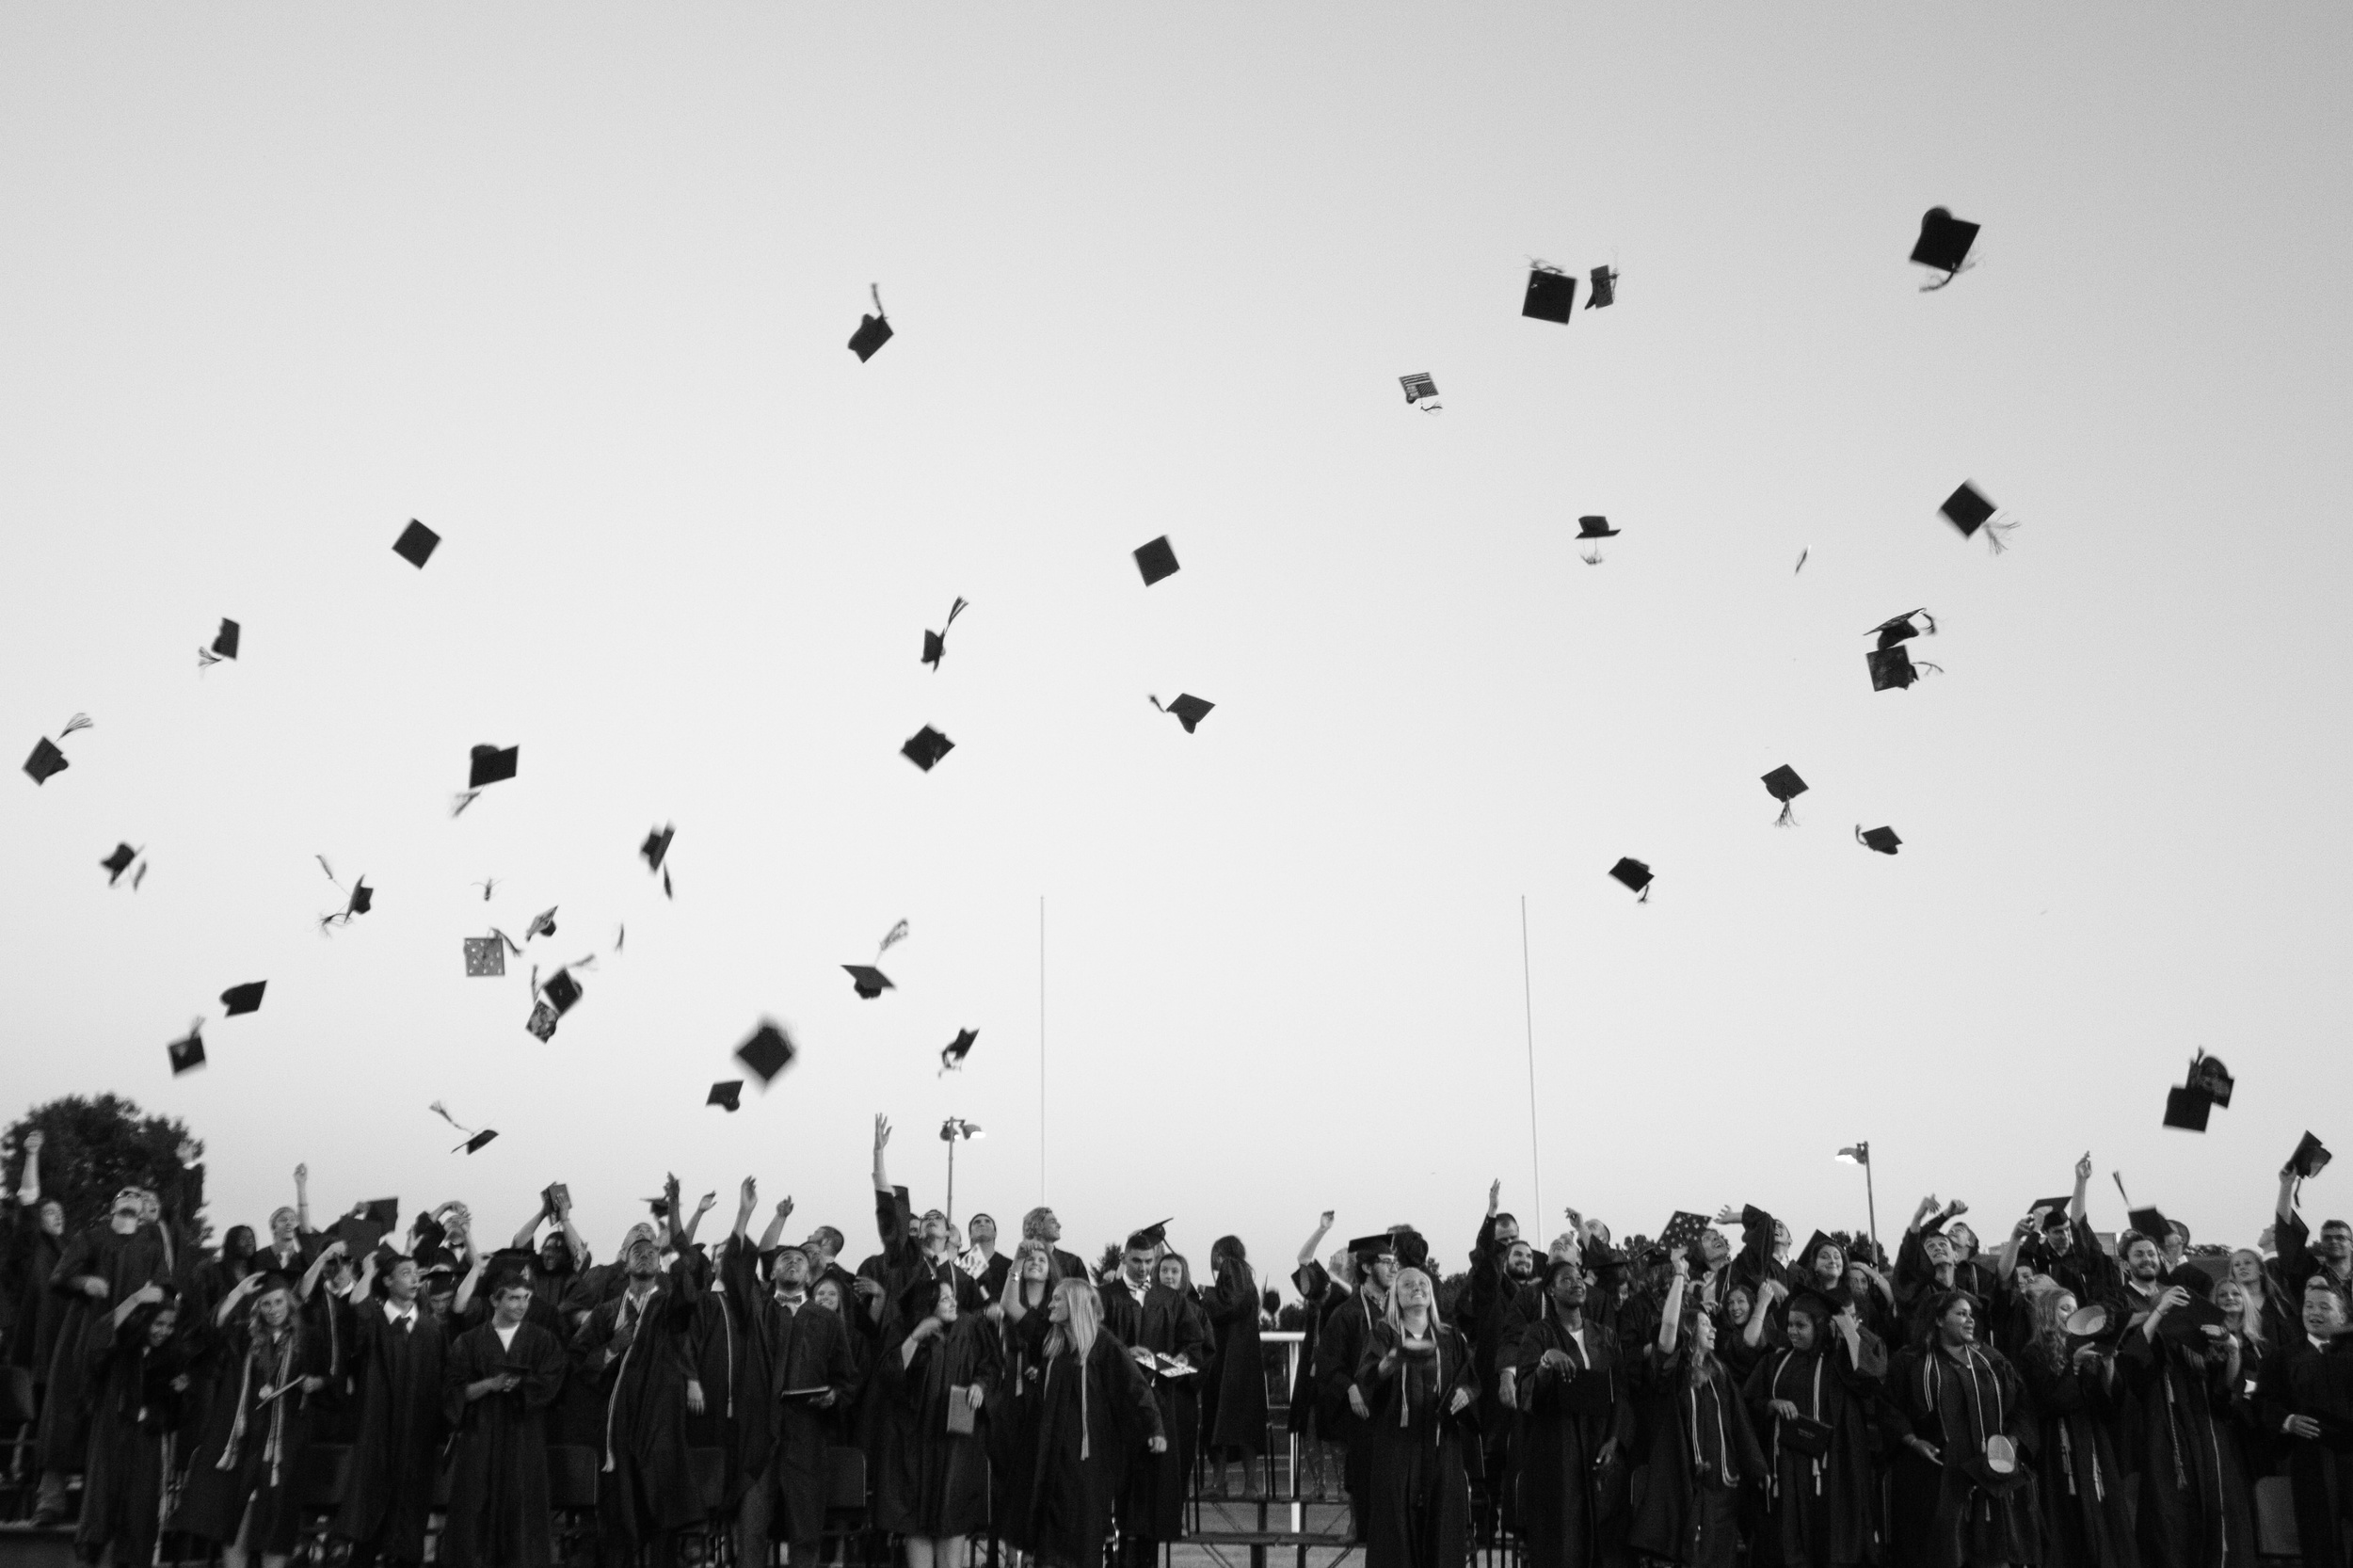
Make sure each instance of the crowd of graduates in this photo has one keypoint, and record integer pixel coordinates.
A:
(1712, 1396)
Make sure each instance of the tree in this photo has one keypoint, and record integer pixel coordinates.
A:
(1108, 1265)
(93, 1149)
(1859, 1249)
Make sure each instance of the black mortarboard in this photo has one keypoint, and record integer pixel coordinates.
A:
(362, 897)
(1595, 528)
(1891, 668)
(2309, 1158)
(657, 844)
(872, 332)
(1605, 288)
(1813, 1244)
(383, 1213)
(541, 924)
(2187, 1109)
(1898, 628)
(46, 760)
(2189, 1321)
(118, 863)
(935, 643)
(1785, 786)
(952, 1055)
(2153, 1224)
(1156, 560)
(492, 765)
(2210, 1078)
(768, 1052)
(562, 991)
(542, 1020)
(244, 999)
(415, 544)
(1812, 1303)
(1683, 1229)
(2087, 1323)
(187, 1054)
(1880, 838)
(868, 981)
(1967, 509)
(359, 1236)
(925, 747)
(1369, 1247)
(1149, 1237)
(474, 1145)
(225, 645)
(1418, 386)
(1635, 874)
(1189, 709)
(1551, 295)
(2054, 1208)
(485, 956)
(1944, 242)
(729, 1094)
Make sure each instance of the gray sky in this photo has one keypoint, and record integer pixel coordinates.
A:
(572, 284)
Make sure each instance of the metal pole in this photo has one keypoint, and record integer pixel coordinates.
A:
(1535, 1159)
(1872, 1200)
(1041, 1048)
(952, 1181)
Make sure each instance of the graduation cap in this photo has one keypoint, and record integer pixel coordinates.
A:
(2210, 1078)
(224, 645)
(2153, 1224)
(1149, 1237)
(2187, 1109)
(1418, 386)
(1892, 668)
(728, 1094)
(1595, 528)
(768, 1051)
(1880, 838)
(872, 332)
(868, 981)
(359, 1236)
(2189, 1321)
(1551, 295)
(186, 1054)
(358, 901)
(952, 1055)
(935, 643)
(383, 1213)
(2309, 1158)
(492, 764)
(1897, 629)
(118, 863)
(1683, 1230)
(1785, 786)
(1369, 1247)
(486, 957)
(1968, 511)
(1156, 560)
(2053, 1210)
(657, 844)
(1813, 1244)
(1189, 709)
(925, 747)
(540, 924)
(473, 1140)
(542, 1020)
(476, 1143)
(1605, 288)
(46, 760)
(244, 999)
(415, 544)
(1635, 874)
(1943, 245)
(562, 991)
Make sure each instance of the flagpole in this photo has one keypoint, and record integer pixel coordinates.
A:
(1527, 1002)
(1040, 1048)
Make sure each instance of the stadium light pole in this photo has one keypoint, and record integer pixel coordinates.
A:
(1859, 1153)
(955, 1131)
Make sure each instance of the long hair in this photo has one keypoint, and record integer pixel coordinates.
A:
(2248, 1319)
(1699, 1366)
(259, 1342)
(1053, 1270)
(1086, 1320)
(1226, 1254)
(1184, 1271)
(2049, 1329)
(1389, 1309)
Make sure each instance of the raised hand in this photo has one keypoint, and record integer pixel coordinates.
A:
(1323, 1221)
(709, 1202)
(34, 1140)
(2082, 1167)
(748, 1195)
(784, 1208)
(882, 1130)
(1727, 1215)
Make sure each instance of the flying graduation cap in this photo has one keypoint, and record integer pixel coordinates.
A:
(224, 645)
(356, 902)
(1968, 511)
(1189, 709)
(767, 1053)
(925, 747)
(416, 544)
(657, 844)
(1944, 246)
(868, 981)
(562, 991)
(486, 766)
(1596, 527)
(2209, 1084)
(1551, 294)
(46, 760)
(1880, 838)
(1418, 386)
(1890, 661)
(121, 861)
(188, 1054)
(872, 332)
(1636, 876)
(2309, 1159)
(474, 1141)
(1603, 291)
(485, 956)
(244, 999)
(1156, 560)
(1785, 786)
(952, 1055)
(728, 1094)
(935, 643)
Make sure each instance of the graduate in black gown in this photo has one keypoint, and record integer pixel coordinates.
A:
(935, 1488)
(497, 1382)
(93, 1274)
(1183, 1342)
(1015, 1417)
(2194, 1504)
(397, 1350)
(2308, 1399)
(1810, 1402)
(1154, 1321)
(2079, 1487)
(1576, 1421)
(1694, 1441)
(802, 1352)
(1233, 1402)
(240, 1491)
(1961, 1407)
(139, 1372)
(1095, 1413)
(1342, 1407)
(1416, 1371)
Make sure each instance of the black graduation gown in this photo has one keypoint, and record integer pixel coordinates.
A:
(1418, 1513)
(141, 1397)
(1314, 1285)
(647, 1486)
(498, 1466)
(807, 1349)
(39, 1311)
(935, 1482)
(399, 1427)
(1166, 1322)
(2079, 1488)
(734, 1395)
(1819, 1512)
(1013, 1425)
(1696, 1451)
(126, 1263)
(2318, 1383)
(1234, 1399)
(1571, 1509)
(335, 1410)
(1090, 1421)
(1346, 1333)
(250, 1452)
(1978, 1517)
(2194, 1505)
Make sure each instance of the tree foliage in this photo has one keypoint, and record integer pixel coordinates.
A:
(93, 1149)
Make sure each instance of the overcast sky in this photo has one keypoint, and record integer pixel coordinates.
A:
(572, 284)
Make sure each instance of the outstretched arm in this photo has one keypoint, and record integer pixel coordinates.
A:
(28, 1189)
(302, 1198)
(1323, 1228)
(774, 1232)
(748, 1199)
(318, 1266)
(881, 1138)
(530, 1228)
(2083, 1180)
(572, 1239)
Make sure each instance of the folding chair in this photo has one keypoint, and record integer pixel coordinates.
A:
(846, 1514)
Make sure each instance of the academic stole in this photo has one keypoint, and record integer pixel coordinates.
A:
(612, 1400)
(1773, 1482)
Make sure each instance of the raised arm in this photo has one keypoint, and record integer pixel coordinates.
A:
(529, 1229)
(467, 1286)
(365, 1283)
(2083, 1180)
(573, 1241)
(318, 1266)
(709, 1202)
(774, 1233)
(1671, 1312)
(748, 1199)
(1308, 1248)
(881, 1138)
(136, 1298)
(28, 1187)
(302, 1197)
(670, 1210)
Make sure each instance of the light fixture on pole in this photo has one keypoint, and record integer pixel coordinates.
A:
(952, 1132)
(1859, 1153)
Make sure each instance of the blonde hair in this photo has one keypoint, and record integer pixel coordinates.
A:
(1390, 1310)
(1086, 1320)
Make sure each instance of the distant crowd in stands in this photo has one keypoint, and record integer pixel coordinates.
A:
(1713, 1397)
